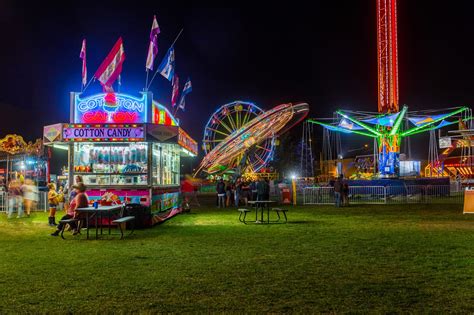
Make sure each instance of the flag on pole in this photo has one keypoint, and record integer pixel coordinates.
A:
(82, 55)
(111, 67)
(153, 47)
(166, 67)
(174, 95)
(186, 90)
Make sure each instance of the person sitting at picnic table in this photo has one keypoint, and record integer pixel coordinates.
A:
(79, 201)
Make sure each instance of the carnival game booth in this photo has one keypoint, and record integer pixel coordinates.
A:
(126, 148)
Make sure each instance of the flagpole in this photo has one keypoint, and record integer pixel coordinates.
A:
(176, 110)
(154, 75)
(87, 84)
(146, 82)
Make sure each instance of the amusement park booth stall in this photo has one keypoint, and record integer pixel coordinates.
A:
(125, 148)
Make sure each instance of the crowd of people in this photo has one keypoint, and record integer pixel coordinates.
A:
(23, 197)
(240, 192)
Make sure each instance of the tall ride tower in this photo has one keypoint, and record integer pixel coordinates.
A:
(387, 56)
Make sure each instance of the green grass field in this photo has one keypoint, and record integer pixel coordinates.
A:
(395, 258)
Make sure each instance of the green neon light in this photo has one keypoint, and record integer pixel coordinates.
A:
(355, 121)
(426, 126)
(398, 121)
(447, 124)
(342, 129)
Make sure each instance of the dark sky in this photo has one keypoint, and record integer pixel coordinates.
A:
(323, 53)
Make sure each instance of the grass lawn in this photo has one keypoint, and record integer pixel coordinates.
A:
(393, 258)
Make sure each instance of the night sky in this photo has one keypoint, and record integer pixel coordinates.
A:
(323, 53)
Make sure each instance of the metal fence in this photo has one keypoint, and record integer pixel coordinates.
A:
(386, 195)
(41, 204)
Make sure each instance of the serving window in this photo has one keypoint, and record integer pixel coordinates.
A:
(166, 166)
(111, 163)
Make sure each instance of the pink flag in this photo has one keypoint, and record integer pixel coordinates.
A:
(111, 67)
(174, 95)
(153, 47)
(82, 55)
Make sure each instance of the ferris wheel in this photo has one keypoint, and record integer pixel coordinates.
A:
(228, 121)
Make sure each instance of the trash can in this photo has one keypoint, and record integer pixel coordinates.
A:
(141, 213)
(285, 195)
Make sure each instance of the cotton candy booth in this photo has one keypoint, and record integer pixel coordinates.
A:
(127, 150)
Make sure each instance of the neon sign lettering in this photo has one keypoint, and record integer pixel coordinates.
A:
(94, 109)
(103, 117)
(76, 133)
(98, 102)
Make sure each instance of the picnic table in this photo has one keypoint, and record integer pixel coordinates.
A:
(91, 212)
(261, 204)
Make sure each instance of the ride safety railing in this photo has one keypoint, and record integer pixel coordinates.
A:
(386, 194)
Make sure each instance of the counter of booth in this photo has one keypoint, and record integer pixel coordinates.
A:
(127, 150)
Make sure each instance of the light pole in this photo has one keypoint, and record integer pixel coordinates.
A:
(293, 186)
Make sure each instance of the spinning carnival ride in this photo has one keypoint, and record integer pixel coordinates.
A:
(390, 125)
(240, 137)
(388, 131)
(227, 120)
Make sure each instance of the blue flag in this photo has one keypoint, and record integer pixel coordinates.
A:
(166, 67)
(186, 90)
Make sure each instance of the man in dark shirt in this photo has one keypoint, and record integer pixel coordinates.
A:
(220, 188)
(338, 191)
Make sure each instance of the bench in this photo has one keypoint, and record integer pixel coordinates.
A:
(278, 211)
(65, 222)
(122, 224)
(243, 212)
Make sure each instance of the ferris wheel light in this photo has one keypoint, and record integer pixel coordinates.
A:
(241, 126)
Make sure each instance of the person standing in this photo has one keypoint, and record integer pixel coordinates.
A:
(79, 201)
(253, 190)
(220, 189)
(28, 195)
(238, 191)
(228, 193)
(338, 191)
(246, 192)
(345, 194)
(53, 204)
(260, 189)
(266, 189)
(15, 199)
(60, 199)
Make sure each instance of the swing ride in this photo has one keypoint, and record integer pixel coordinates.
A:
(390, 125)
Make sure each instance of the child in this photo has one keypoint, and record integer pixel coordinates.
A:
(53, 203)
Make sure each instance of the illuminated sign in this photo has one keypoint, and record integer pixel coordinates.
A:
(52, 133)
(161, 115)
(187, 142)
(79, 132)
(445, 142)
(110, 108)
